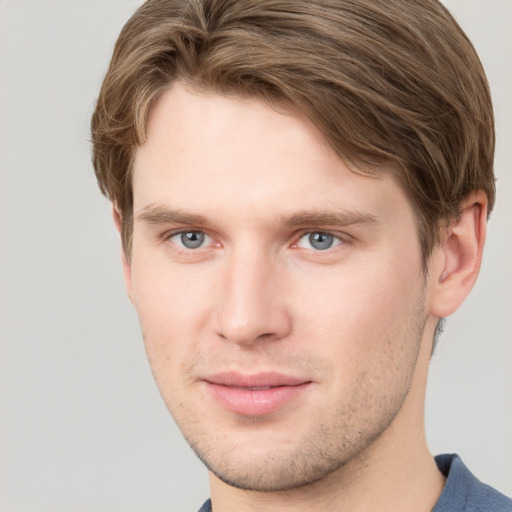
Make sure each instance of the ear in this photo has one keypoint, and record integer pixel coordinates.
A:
(127, 269)
(456, 262)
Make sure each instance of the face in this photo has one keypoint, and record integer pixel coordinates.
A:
(281, 296)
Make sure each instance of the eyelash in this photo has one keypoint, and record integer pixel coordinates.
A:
(169, 236)
(337, 241)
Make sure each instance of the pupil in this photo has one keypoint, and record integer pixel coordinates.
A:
(321, 241)
(192, 239)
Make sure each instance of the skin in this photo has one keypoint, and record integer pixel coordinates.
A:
(354, 320)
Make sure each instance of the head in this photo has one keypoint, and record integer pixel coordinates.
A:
(390, 84)
(284, 177)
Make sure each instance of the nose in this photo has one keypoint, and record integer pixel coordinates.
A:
(252, 301)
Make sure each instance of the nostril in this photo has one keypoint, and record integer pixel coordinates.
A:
(266, 335)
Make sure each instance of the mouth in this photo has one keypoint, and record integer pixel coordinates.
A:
(255, 394)
(255, 388)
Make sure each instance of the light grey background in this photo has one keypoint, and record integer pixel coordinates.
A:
(82, 427)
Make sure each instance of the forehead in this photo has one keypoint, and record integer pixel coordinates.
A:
(225, 128)
(205, 150)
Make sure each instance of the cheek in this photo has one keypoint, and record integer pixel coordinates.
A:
(173, 308)
(361, 313)
(367, 330)
(167, 294)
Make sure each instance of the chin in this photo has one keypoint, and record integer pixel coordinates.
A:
(273, 466)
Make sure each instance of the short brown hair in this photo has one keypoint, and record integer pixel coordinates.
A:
(389, 83)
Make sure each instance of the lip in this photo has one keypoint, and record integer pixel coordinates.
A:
(255, 394)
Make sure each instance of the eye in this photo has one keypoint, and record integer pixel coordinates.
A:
(190, 239)
(318, 240)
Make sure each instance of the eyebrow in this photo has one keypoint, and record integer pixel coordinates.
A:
(330, 218)
(156, 214)
(159, 214)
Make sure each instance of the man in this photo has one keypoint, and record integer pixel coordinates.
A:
(302, 190)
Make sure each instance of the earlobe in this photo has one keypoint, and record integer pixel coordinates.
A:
(458, 258)
(127, 269)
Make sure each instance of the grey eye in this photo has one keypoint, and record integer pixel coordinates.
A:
(320, 241)
(192, 239)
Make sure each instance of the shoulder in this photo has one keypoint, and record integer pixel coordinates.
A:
(463, 492)
(207, 506)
